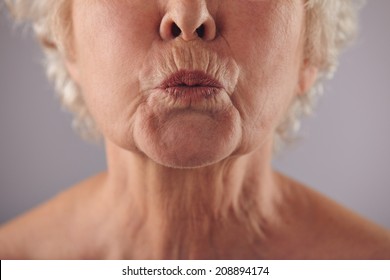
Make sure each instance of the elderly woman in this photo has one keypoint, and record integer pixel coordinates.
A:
(191, 98)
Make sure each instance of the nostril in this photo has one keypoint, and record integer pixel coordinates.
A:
(200, 31)
(176, 31)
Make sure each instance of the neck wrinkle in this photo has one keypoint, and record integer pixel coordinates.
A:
(178, 209)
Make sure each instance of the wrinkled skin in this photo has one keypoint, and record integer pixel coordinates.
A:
(189, 169)
(125, 49)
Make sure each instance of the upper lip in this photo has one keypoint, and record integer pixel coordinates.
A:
(185, 78)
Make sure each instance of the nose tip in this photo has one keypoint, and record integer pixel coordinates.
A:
(188, 23)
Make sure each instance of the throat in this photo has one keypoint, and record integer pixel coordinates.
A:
(215, 212)
(194, 221)
(195, 228)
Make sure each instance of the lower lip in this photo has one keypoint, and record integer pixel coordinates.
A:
(210, 99)
(193, 94)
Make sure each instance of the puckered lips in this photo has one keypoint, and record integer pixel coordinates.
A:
(193, 85)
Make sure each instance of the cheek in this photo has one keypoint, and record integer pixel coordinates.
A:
(269, 54)
(110, 48)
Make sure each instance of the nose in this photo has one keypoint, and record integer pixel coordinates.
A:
(189, 20)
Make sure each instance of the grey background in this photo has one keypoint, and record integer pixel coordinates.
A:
(343, 152)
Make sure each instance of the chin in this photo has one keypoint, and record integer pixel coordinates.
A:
(188, 139)
(186, 160)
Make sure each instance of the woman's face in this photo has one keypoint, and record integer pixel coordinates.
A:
(188, 82)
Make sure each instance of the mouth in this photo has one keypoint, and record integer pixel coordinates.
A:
(192, 85)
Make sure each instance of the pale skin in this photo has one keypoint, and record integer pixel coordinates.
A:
(190, 179)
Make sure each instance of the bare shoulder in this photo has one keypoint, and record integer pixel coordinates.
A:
(331, 231)
(44, 229)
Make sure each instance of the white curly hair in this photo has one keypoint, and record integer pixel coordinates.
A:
(330, 25)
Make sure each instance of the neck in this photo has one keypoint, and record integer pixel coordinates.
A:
(191, 213)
